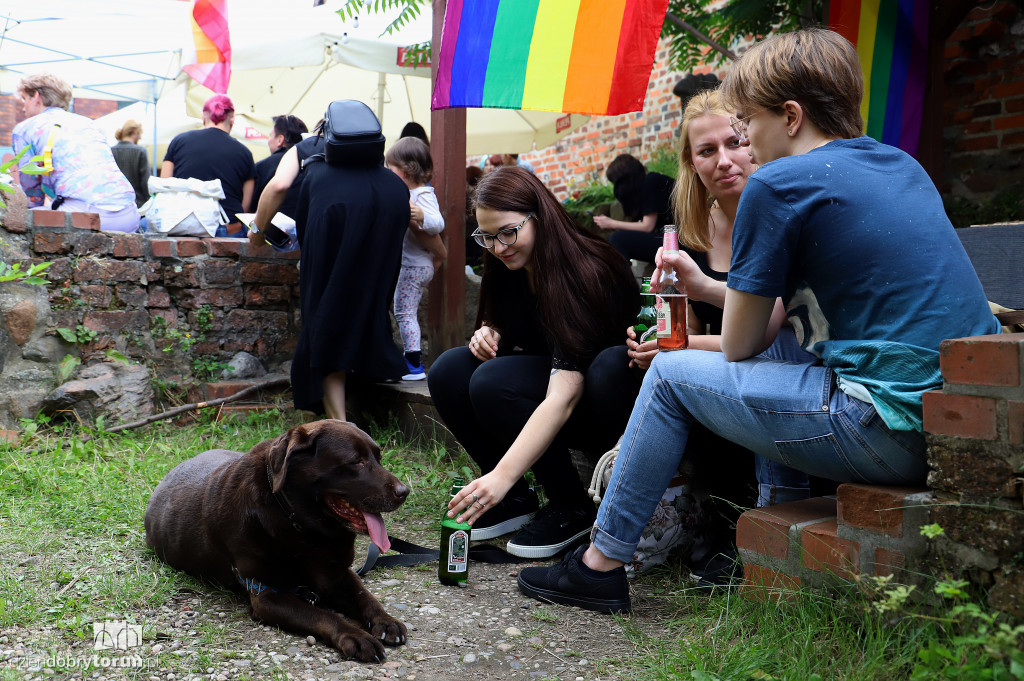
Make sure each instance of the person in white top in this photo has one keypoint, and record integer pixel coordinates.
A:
(423, 251)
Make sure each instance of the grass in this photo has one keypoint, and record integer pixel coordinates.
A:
(72, 552)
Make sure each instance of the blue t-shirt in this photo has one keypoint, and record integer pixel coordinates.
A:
(854, 238)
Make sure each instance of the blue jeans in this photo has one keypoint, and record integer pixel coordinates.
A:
(787, 412)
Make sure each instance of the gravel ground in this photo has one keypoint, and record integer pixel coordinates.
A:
(487, 630)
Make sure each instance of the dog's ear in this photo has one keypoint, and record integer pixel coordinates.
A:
(281, 450)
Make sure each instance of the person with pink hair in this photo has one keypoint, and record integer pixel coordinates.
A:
(212, 154)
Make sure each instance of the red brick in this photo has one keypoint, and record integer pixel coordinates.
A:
(128, 245)
(182, 276)
(50, 242)
(259, 296)
(978, 143)
(113, 322)
(96, 295)
(873, 507)
(1015, 422)
(978, 126)
(269, 273)
(822, 550)
(762, 584)
(887, 561)
(215, 297)
(1005, 90)
(1013, 139)
(188, 248)
(219, 389)
(220, 272)
(960, 415)
(10, 436)
(92, 269)
(221, 247)
(48, 218)
(162, 248)
(92, 243)
(1014, 105)
(1009, 122)
(159, 297)
(982, 360)
(766, 530)
(86, 221)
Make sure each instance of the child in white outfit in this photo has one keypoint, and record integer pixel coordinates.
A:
(423, 251)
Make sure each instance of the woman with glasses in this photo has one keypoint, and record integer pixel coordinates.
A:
(851, 234)
(516, 397)
(287, 132)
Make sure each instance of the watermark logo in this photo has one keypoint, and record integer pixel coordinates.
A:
(115, 635)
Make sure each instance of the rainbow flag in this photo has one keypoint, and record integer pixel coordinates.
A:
(892, 42)
(574, 56)
(212, 67)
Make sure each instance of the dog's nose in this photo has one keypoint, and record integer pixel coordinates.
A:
(401, 491)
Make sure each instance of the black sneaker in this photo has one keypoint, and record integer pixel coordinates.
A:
(554, 529)
(721, 569)
(573, 583)
(508, 516)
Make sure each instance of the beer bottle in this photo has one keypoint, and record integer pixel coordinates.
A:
(453, 566)
(671, 306)
(647, 318)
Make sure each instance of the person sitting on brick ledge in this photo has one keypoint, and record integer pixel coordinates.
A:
(78, 172)
(852, 235)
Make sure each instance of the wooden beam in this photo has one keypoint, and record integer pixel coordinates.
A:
(447, 304)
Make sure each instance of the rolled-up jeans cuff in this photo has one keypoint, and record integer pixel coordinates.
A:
(610, 546)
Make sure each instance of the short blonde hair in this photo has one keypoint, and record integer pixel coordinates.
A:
(691, 200)
(814, 67)
(129, 129)
(54, 90)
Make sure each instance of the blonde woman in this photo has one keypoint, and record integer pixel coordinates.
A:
(132, 158)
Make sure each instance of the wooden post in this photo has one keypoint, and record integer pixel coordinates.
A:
(447, 303)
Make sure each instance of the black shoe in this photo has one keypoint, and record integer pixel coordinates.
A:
(555, 528)
(721, 569)
(573, 583)
(508, 516)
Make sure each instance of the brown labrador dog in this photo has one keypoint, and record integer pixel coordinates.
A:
(280, 522)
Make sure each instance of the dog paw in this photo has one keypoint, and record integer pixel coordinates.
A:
(364, 648)
(389, 630)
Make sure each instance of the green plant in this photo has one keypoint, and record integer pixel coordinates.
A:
(1005, 206)
(5, 184)
(208, 367)
(664, 160)
(81, 335)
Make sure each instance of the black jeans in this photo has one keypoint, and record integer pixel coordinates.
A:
(486, 404)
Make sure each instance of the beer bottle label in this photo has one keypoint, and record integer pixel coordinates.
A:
(458, 551)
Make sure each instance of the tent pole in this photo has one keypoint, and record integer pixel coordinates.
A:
(382, 82)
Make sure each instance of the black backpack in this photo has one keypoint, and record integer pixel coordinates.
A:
(352, 136)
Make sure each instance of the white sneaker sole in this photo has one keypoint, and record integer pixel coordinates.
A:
(504, 527)
(525, 551)
(414, 377)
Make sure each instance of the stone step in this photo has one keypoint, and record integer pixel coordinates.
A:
(864, 529)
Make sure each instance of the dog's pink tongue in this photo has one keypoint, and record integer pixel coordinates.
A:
(378, 534)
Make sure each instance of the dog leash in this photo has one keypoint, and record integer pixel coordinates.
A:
(413, 554)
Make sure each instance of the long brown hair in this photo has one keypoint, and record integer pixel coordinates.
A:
(576, 274)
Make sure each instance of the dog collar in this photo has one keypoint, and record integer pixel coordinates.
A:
(257, 588)
(282, 501)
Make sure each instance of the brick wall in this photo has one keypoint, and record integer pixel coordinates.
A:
(975, 432)
(10, 113)
(984, 107)
(983, 114)
(119, 284)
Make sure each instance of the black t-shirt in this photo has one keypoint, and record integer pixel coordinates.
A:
(522, 330)
(657, 198)
(709, 315)
(265, 171)
(212, 154)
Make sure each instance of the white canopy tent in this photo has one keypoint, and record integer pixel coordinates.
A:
(294, 61)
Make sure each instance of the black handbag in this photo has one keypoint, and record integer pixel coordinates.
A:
(352, 135)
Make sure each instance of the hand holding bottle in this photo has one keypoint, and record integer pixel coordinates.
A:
(641, 353)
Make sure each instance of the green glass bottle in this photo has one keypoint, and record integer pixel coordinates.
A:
(453, 565)
(647, 318)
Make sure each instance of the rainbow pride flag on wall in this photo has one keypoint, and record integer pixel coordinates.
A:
(212, 65)
(892, 42)
(574, 56)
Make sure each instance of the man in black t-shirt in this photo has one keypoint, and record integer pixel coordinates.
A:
(646, 199)
(212, 154)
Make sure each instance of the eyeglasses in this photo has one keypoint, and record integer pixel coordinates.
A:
(739, 126)
(507, 236)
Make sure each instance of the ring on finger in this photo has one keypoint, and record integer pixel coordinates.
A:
(476, 498)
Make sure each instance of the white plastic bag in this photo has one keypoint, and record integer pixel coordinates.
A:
(184, 206)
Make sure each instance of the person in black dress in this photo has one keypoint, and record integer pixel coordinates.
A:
(646, 199)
